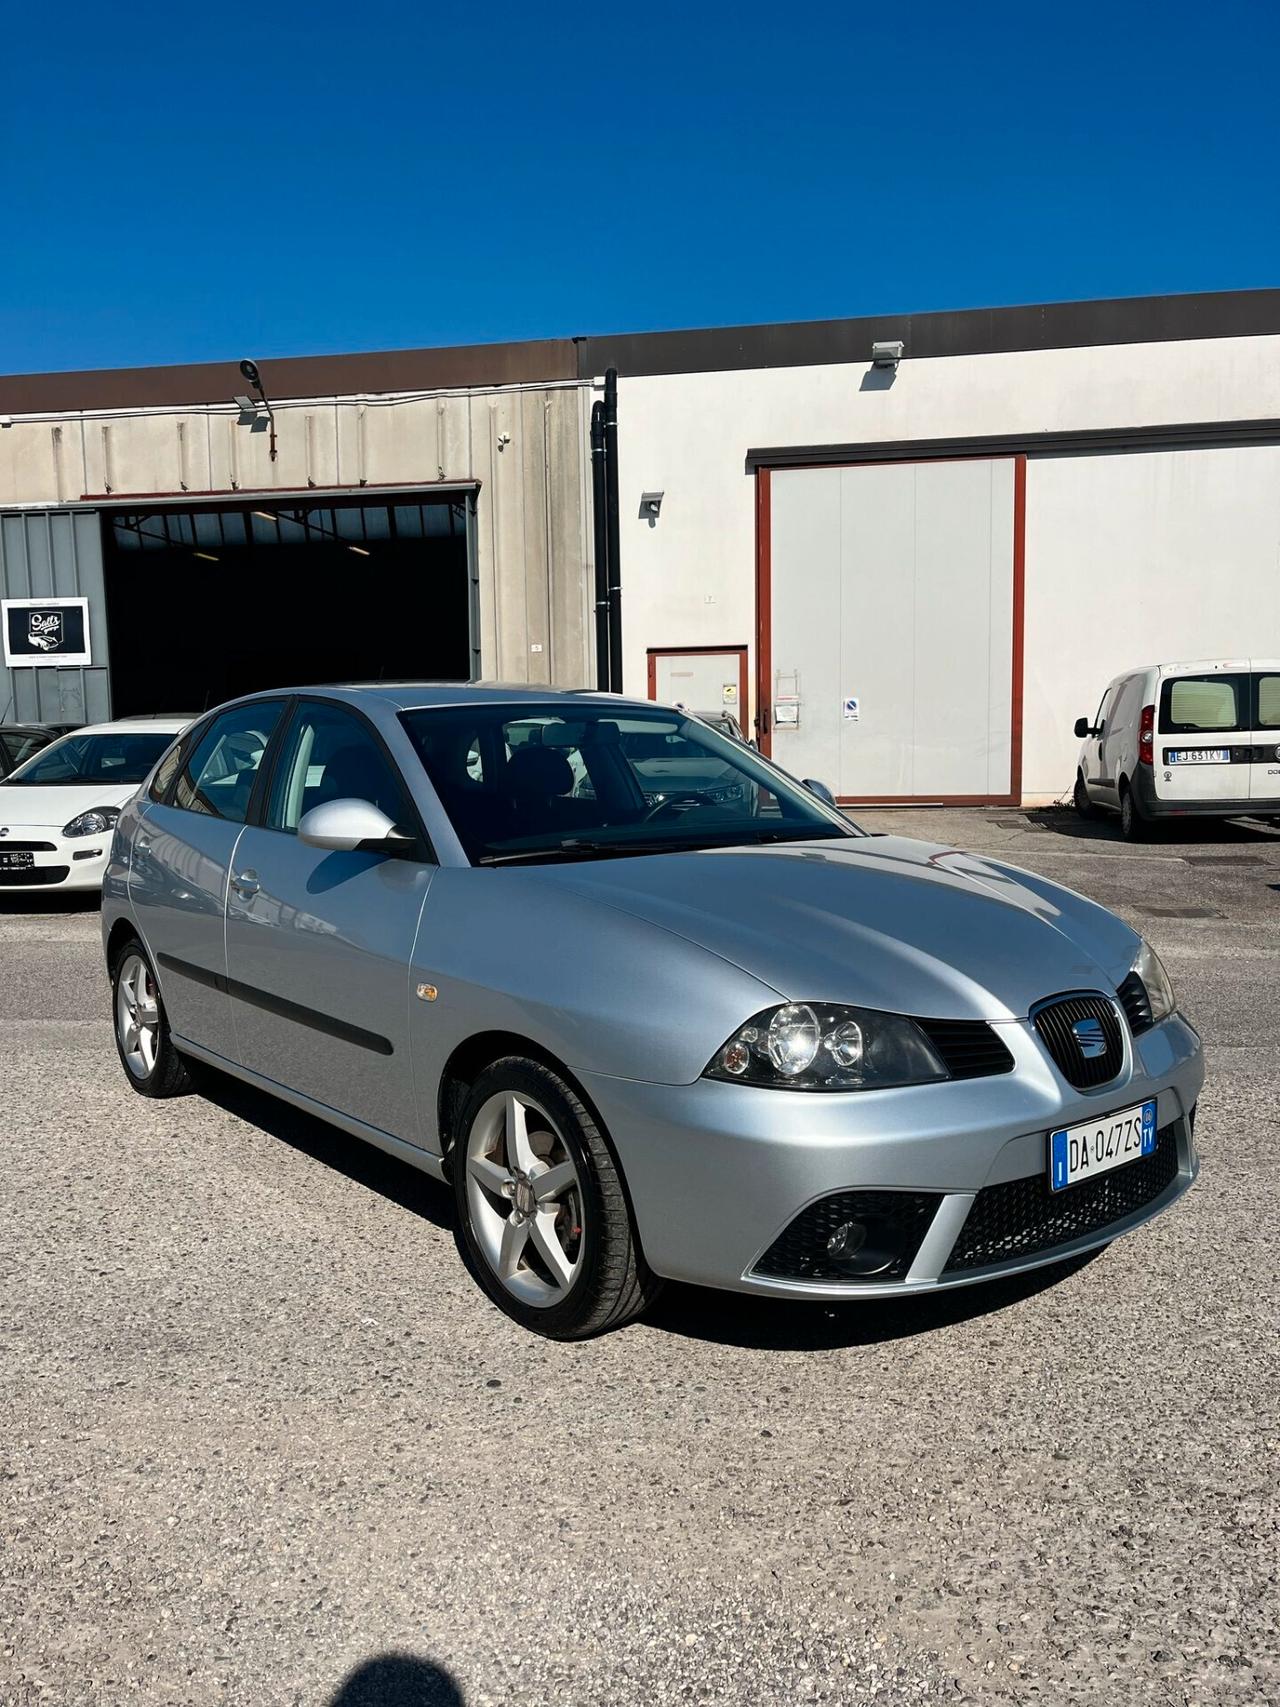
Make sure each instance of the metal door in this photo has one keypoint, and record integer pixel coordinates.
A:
(890, 622)
(1202, 723)
(48, 554)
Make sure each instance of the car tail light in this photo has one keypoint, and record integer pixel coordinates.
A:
(1147, 735)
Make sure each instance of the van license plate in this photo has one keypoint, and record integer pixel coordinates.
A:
(1200, 756)
(1079, 1152)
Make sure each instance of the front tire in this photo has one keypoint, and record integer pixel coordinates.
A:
(151, 1064)
(542, 1213)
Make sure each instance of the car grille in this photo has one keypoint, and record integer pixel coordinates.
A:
(969, 1048)
(1136, 1004)
(28, 847)
(33, 874)
(800, 1253)
(1022, 1216)
(1054, 1021)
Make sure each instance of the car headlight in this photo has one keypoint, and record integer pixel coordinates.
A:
(805, 1046)
(1148, 966)
(95, 823)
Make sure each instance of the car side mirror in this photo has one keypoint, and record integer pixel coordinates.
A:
(343, 826)
(823, 793)
(1083, 728)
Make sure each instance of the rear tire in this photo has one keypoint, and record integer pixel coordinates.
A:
(543, 1218)
(1133, 826)
(1080, 798)
(151, 1064)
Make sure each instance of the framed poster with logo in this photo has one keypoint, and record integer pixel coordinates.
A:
(45, 633)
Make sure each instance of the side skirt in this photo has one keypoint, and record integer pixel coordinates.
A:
(424, 1160)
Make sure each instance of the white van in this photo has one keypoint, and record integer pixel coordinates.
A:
(1170, 740)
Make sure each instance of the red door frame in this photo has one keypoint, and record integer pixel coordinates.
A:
(744, 681)
(764, 632)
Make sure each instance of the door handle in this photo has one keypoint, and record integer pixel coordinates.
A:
(246, 883)
(142, 845)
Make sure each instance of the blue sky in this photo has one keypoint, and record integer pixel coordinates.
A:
(192, 183)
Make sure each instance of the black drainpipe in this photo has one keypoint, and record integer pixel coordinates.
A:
(601, 546)
(614, 527)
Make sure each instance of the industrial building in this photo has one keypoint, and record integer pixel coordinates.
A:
(907, 551)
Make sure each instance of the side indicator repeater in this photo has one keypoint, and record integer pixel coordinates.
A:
(427, 992)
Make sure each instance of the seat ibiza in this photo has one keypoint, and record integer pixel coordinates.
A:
(645, 1028)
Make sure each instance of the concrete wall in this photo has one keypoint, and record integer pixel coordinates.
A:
(1123, 550)
(525, 445)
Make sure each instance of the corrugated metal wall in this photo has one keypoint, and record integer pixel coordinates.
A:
(43, 553)
(526, 446)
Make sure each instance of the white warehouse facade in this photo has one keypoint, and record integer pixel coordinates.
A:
(907, 579)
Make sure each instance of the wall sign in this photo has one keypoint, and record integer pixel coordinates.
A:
(45, 633)
(851, 707)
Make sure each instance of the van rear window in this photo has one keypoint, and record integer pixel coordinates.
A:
(1269, 702)
(1189, 704)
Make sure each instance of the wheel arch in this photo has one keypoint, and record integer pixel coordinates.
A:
(122, 932)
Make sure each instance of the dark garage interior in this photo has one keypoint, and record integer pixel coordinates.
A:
(204, 604)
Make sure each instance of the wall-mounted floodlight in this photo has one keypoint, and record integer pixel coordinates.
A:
(888, 353)
(247, 406)
(650, 506)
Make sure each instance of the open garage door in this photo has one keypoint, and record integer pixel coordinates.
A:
(891, 627)
(210, 602)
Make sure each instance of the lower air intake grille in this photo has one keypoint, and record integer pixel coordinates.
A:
(969, 1048)
(1136, 1003)
(1082, 1033)
(33, 874)
(1023, 1216)
(801, 1252)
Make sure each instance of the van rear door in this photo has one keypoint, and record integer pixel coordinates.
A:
(1264, 771)
(1202, 723)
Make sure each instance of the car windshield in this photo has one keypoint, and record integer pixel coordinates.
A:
(121, 756)
(551, 782)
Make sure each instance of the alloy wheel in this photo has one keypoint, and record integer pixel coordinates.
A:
(525, 1199)
(138, 1016)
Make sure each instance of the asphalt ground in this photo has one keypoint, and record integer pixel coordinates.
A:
(263, 1441)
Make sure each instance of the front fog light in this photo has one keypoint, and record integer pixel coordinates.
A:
(793, 1039)
(866, 1247)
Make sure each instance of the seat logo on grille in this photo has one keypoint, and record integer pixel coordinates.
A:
(1090, 1038)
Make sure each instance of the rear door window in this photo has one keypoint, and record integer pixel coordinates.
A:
(1211, 704)
(220, 771)
(1268, 716)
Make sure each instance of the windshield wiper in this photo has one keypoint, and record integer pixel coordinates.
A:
(588, 847)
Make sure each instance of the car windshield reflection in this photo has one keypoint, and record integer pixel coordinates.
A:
(538, 783)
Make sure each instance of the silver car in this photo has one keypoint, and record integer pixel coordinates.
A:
(725, 1038)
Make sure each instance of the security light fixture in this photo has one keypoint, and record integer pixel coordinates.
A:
(887, 353)
(650, 506)
(246, 405)
(252, 373)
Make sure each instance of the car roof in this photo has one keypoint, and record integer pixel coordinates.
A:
(136, 726)
(418, 696)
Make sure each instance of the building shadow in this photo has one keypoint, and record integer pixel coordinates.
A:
(778, 1324)
(398, 1680)
(407, 1187)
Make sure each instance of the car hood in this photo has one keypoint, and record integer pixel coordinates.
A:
(51, 808)
(881, 921)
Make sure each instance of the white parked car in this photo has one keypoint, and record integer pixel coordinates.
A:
(1173, 740)
(58, 810)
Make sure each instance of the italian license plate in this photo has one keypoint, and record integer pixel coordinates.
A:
(15, 861)
(1079, 1152)
(1200, 756)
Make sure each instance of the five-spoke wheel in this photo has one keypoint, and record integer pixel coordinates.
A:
(154, 1066)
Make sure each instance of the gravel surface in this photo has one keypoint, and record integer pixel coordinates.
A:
(262, 1441)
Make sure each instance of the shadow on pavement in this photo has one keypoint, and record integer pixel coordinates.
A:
(1064, 821)
(777, 1324)
(406, 1186)
(16, 902)
(398, 1680)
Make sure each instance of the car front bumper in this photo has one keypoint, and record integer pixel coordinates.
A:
(718, 1172)
(57, 861)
